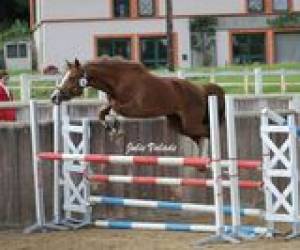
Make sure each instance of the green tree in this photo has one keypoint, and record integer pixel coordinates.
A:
(11, 10)
(203, 33)
(284, 20)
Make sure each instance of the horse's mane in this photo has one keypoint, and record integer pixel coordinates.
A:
(117, 61)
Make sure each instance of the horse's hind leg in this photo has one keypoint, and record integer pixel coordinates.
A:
(192, 127)
(203, 145)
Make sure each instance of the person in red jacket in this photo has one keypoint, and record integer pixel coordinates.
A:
(6, 114)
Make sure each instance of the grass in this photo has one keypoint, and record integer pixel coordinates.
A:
(19, 72)
(234, 84)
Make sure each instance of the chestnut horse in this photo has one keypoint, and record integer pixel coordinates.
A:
(136, 93)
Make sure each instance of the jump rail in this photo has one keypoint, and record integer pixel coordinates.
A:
(189, 182)
(118, 201)
(115, 224)
(151, 161)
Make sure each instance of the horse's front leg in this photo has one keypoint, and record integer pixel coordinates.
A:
(102, 115)
(113, 124)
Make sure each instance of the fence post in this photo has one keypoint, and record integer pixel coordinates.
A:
(246, 81)
(25, 91)
(258, 81)
(180, 74)
(86, 92)
(283, 85)
(212, 77)
(102, 96)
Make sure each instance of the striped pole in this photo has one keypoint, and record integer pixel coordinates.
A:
(176, 206)
(120, 224)
(192, 182)
(196, 162)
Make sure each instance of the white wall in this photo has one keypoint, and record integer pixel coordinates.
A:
(60, 9)
(69, 40)
(206, 7)
(38, 45)
(296, 5)
(184, 42)
(222, 42)
(66, 9)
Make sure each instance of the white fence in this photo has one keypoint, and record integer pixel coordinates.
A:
(255, 79)
(26, 86)
(257, 74)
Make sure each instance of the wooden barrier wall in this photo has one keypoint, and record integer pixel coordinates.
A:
(16, 182)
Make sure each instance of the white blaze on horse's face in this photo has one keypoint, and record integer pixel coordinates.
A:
(64, 79)
(56, 96)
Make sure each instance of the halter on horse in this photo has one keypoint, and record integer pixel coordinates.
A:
(135, 93)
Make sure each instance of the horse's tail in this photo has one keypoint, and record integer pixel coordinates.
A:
(215, 90)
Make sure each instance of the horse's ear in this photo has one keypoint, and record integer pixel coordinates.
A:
(68, 64)
(77, 63)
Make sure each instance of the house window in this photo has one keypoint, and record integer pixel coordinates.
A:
(17, 50)
(121, 8)
(146, 7)
(248, 48)
(114, 47)
(256, 5)
(22, 50)
(154, 52)
(280, 5)
(12, 51)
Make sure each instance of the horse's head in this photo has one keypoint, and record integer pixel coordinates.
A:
(72, 84)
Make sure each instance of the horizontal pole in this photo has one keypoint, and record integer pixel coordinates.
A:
(177, 206)
(149, 180)
(276, 129)
(246, 164)
(275, 117)
(122, 224)
(196, 162)
(114, 224)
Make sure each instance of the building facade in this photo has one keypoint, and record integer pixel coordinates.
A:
(136, 29)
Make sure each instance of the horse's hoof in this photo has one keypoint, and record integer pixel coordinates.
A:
(116, 134)
(120, 134)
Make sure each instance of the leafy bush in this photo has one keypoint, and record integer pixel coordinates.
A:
(17, 30)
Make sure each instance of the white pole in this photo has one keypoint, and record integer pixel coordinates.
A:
(246, 82)
(233, 170)
(294, 175)
(65, 120)
(180, 74)
(258, 81)
(38, 183)
(86, 150)
(283, 86)
(25, 90)
(57, 143)
(294, 105)
(102, 96)
(216, 157)
(266, 157)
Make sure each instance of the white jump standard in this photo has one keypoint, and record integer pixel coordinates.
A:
(77, 197)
